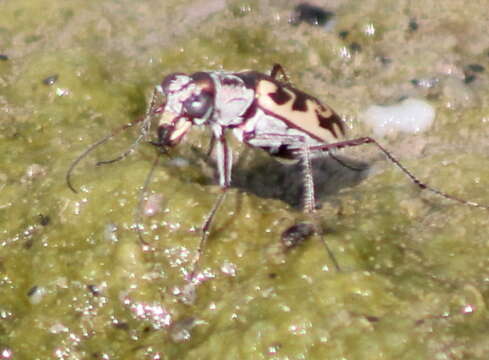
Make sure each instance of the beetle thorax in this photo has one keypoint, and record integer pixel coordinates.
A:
(232, 99)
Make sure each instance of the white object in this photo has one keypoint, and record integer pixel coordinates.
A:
(409, 116)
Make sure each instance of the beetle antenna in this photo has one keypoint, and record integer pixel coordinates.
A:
(145, 128)
(92, 147)
(144, 131)
(124, 154)
(144, 190)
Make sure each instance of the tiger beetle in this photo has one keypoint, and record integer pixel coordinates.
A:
(261, 111)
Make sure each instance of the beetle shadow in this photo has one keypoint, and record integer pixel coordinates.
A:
(276, 180)
(270, 178)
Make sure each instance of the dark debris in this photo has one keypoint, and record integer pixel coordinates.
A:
(296, 235)
(310, 14)
(50, 80)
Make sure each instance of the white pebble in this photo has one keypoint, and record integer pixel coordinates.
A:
(153, 204)
(36, 294)
(409, 116)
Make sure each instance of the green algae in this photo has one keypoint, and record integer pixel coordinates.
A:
(79, 286)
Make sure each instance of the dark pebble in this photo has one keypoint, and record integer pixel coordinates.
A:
(313, 15)
(343, 34)
(476, 68)
(44, 219)
(296, 235)
(413, 25)
(50, 80)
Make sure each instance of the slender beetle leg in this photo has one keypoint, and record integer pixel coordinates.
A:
(224, 166)
(391, 158)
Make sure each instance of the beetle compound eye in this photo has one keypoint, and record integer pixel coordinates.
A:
(198, 105)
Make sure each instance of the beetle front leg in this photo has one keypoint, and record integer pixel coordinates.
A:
(224, 159)
(224, 166)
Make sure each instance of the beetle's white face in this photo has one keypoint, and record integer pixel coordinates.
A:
(189, 101)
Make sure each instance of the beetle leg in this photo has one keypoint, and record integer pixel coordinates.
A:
(344, 164)
(206, 227)
(309, 197)
(310, 202)
(224, 166)
(397, 163)
(224, 162)
(142, 195)
(302, 151)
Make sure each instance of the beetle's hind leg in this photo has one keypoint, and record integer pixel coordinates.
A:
(303, 151)
(344, 164)
(397, 163)
(310, 201)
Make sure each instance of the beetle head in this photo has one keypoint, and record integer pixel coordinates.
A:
(189, 101)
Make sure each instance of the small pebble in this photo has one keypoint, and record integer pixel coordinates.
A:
(110, 233)
(469, 78)
(36, 294)
(471, 72)
(153, 205)
(409, 116)
(180, 330)
(426, 83)
(6, 354)
(34, 171)
(413, 25)
(296, 235)
(44, 220)
(313, 15)
(228, 268)
(476, 68)
(94, 289)
(50, 80)
(355, 47)
(343, 34)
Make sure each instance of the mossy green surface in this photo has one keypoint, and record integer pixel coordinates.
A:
(74, 281)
